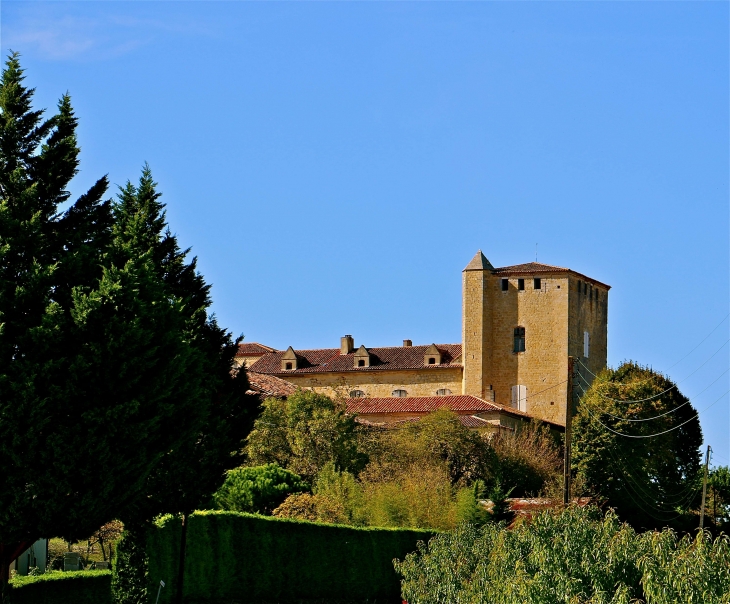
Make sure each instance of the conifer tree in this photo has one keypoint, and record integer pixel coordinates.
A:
(108, 360)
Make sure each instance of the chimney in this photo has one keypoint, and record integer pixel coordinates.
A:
(347, 344)
(407, 343)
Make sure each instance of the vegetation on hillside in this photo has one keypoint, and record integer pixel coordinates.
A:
(636, 447)
(575, 555)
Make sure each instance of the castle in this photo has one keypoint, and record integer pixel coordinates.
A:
(519, 326)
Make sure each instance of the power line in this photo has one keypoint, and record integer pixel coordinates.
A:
(646, 419)
(695, 416)
(700, 344)
(642, 400)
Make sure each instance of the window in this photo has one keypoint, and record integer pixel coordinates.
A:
(537, 283)
(521, 284)
(585, 289)
(519, 339)
(586, 344)
(519, 398)
(361, 362)
(289, 365)
(357, 394)
(399, 393)
(505, 285)
(431, 360)
(443, 392)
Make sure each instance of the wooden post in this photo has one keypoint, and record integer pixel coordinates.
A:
(704, 489)
(568, 433)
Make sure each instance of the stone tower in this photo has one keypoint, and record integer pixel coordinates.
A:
(519, 325)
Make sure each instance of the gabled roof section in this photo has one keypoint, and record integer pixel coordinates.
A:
(329, 360)
(269, 385)
(253, 349)
(479, 263)
(432, 349)
(537, 268)
(289, 355)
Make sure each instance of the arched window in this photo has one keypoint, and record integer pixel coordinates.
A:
(519, 339)
(443, 392)
(356, 394)
(399, 393)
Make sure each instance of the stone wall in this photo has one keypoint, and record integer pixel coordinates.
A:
(377, 384)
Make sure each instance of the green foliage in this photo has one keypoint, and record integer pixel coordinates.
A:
(528, 461)
(575, 556)
(303, 434)
(719, 494)
(651, 482)
(106, 349)
(282, 559)
(129, 579)
(259, 489)
(468, 506)
(79, 587)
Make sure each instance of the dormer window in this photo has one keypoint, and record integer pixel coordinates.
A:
(289, 360)
(443, 392)
(357, 394)
(361, 357)
(432, 356)
(399, 393)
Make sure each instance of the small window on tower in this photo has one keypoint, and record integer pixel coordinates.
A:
(537, 283)
(586, 344)
(357, 394)
(519, 344)
(505, 285)
(585, 289)
(399, 393)
(443, 392)
(520, 284)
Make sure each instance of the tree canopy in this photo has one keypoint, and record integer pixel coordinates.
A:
(108, 359)
(636, 444)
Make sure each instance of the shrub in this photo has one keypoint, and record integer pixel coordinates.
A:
(241, 557)
(259, 489)
(575, 555)
(57, 587)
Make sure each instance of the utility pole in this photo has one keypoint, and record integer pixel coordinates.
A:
(704, 489)
(568, 434)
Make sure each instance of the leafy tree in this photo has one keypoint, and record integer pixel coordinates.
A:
(719, 489)
(303, 434)
(259, 489)
(437, 438)
(528, 460)
(648, 470)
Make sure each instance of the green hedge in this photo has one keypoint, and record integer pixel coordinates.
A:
(57, 587)
(247, 558)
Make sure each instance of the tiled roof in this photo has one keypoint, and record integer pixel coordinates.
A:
(381, 359)
(270, 385)
(472, 421)
(251, 349)
(461, 403)
(537, 268)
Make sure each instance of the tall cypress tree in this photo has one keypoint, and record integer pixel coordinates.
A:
(104, 354)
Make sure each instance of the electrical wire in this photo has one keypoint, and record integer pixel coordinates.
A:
(646, 419)
(700, 344)
(695, 416)
(642, 400)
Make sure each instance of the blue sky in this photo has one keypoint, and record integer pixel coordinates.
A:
(335, 165)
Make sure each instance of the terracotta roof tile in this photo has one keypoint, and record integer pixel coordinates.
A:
(253, 349)
(421, 404)
(381, 359)
(537, 268)
(269, 385)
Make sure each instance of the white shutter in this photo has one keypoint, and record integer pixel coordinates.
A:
(518, 399)
(522, 400)
(586, 344)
